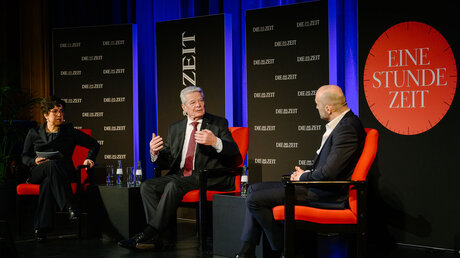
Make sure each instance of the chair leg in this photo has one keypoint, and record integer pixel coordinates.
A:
(18, 215)
(7, 246)
(79, 227)
(202, 220)
(361, 245)
(289, 243)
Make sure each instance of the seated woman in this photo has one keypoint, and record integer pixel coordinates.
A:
(54, 174)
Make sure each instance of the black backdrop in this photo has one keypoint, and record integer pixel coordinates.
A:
(287, 61)
(95, 73)
(203, 52)
(414, 187)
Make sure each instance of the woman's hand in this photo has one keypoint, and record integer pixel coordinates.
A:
(88, 162)
(40, 160)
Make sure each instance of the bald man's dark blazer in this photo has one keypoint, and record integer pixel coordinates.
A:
(206, 157)
(337, 159)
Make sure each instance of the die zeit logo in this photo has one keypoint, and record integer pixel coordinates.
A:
(410, 78)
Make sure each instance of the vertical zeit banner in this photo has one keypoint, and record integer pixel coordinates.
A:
(194, 52)
(287, 61)
(95, 73)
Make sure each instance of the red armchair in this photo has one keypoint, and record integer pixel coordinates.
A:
(350, 220)
(79, 155)
(202, 196)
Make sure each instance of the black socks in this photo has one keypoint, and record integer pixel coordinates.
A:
(150, 232)
(248, 249)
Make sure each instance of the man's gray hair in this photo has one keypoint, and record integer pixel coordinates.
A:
(188, 90)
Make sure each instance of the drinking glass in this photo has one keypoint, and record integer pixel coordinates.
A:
(110, 175)
(131, 177)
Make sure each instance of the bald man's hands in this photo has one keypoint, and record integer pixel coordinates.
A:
(297, 173)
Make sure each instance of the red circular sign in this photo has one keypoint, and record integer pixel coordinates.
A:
(410, 77)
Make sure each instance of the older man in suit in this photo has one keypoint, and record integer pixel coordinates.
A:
(340, 149)
(199, 141)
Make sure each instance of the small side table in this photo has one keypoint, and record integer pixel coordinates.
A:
(228, 213)
(123, 210)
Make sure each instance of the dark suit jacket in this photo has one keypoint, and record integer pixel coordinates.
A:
(206, 157)
(337, 159)
(66, 140)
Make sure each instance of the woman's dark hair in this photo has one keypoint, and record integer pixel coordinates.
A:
(49, 103)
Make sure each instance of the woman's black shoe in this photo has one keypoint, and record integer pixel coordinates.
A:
(40, 235)
(245, 256)
(132, 242)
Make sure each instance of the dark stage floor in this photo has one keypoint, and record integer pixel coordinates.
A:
(187, 246)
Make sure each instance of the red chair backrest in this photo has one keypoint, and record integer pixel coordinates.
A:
(79, 155)
(364, 164)
(241, 137)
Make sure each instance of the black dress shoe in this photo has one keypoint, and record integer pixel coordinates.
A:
(132, 242)
(73, 214)
(155, 244)
(39, 234)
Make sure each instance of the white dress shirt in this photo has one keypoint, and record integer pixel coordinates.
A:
(330, 127)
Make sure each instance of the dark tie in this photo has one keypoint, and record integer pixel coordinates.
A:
(188, 165)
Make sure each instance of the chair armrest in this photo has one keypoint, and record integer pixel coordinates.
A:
(326, 183)
(217, 172)
(80, 167)
(157, 171)
(204, 174)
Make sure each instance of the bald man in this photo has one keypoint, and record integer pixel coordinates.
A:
(340, 149)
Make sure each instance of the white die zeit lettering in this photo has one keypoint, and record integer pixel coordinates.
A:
(113, 71)
(72, 101)
(285, 77)
(114, 100)
(114, 128)
(263, 95)
(306, 93)
(263, 28)
(309, 128)
(91, 86)
(285, 43)
(265, 161)
(305, 162)
(92, 114)
(265, 128)
(115, 156)
(285, 111)
(287, 145)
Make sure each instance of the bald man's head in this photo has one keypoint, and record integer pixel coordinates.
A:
(330, 101)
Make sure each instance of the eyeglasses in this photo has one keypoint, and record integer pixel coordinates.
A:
(55, 111)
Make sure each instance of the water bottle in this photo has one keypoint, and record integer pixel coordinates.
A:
(119, 174)
(138, 174)
(244, 182)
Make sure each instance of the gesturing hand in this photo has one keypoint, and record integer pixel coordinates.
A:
(156, 144)
(205, 137)
(88, 162)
